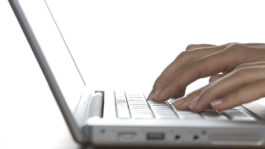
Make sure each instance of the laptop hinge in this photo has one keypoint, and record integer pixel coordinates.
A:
(96, 105)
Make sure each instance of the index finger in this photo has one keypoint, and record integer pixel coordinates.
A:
(182, 60)
(214, 63)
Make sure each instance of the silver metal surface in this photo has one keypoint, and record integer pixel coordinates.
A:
(208, 131)
(176, 132)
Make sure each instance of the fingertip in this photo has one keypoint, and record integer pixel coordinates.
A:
(193, 104)
(163, 95)
(218, 104)
(220, 107)
(197, 110)
(197, 106)
(183, 106)
(217, 108)
(179, 102)
(154, 95)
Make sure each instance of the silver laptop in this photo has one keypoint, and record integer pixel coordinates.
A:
(109, 118)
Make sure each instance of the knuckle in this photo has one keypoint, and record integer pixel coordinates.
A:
(233, 47)
(237, 51)
(236, 48)
(190, 46)
(183, 55)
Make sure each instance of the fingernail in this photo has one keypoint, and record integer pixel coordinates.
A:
(217, 102)
(155, 94)
(194, 103)
(179, 101)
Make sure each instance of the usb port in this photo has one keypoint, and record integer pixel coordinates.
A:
(155, 136)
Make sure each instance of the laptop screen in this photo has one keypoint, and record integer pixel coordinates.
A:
(55, 51)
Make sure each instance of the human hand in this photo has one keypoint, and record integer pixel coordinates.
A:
(242, 79)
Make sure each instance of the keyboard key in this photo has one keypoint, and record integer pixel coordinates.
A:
(237, 115)
(160, 108)
(213, 115)
(244, 119)
(123, 113)
(137, 103)
(162, 105)
(121, 100)
(119, 94)
(142, 116)
(150, 102)
(141, 111)
(135, 95)
(166, 116)
(136, 98)
(188, 115)
(171, 101)
(163, 112)
(139, 107)
(122, 106)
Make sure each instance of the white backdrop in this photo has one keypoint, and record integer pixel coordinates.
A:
(126, 44)
(117, 44)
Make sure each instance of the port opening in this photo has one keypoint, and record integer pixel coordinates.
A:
(177, 137)
(196, 137)
(155, 136)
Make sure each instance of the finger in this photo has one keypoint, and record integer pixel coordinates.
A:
(229, 83)
(259, 63)
(255, 45)
(198, 46)
(182, 60)
(180, 94)
(216, 77)
(224, 60)
(243, 95)
(183, 103)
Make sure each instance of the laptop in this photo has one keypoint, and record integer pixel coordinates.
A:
(114, 118)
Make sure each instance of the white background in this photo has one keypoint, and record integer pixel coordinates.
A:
(120, 44)
(127, 44)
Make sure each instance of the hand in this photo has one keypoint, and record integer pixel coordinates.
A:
(237, 76)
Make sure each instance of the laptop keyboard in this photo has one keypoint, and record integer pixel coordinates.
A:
(135, 106)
